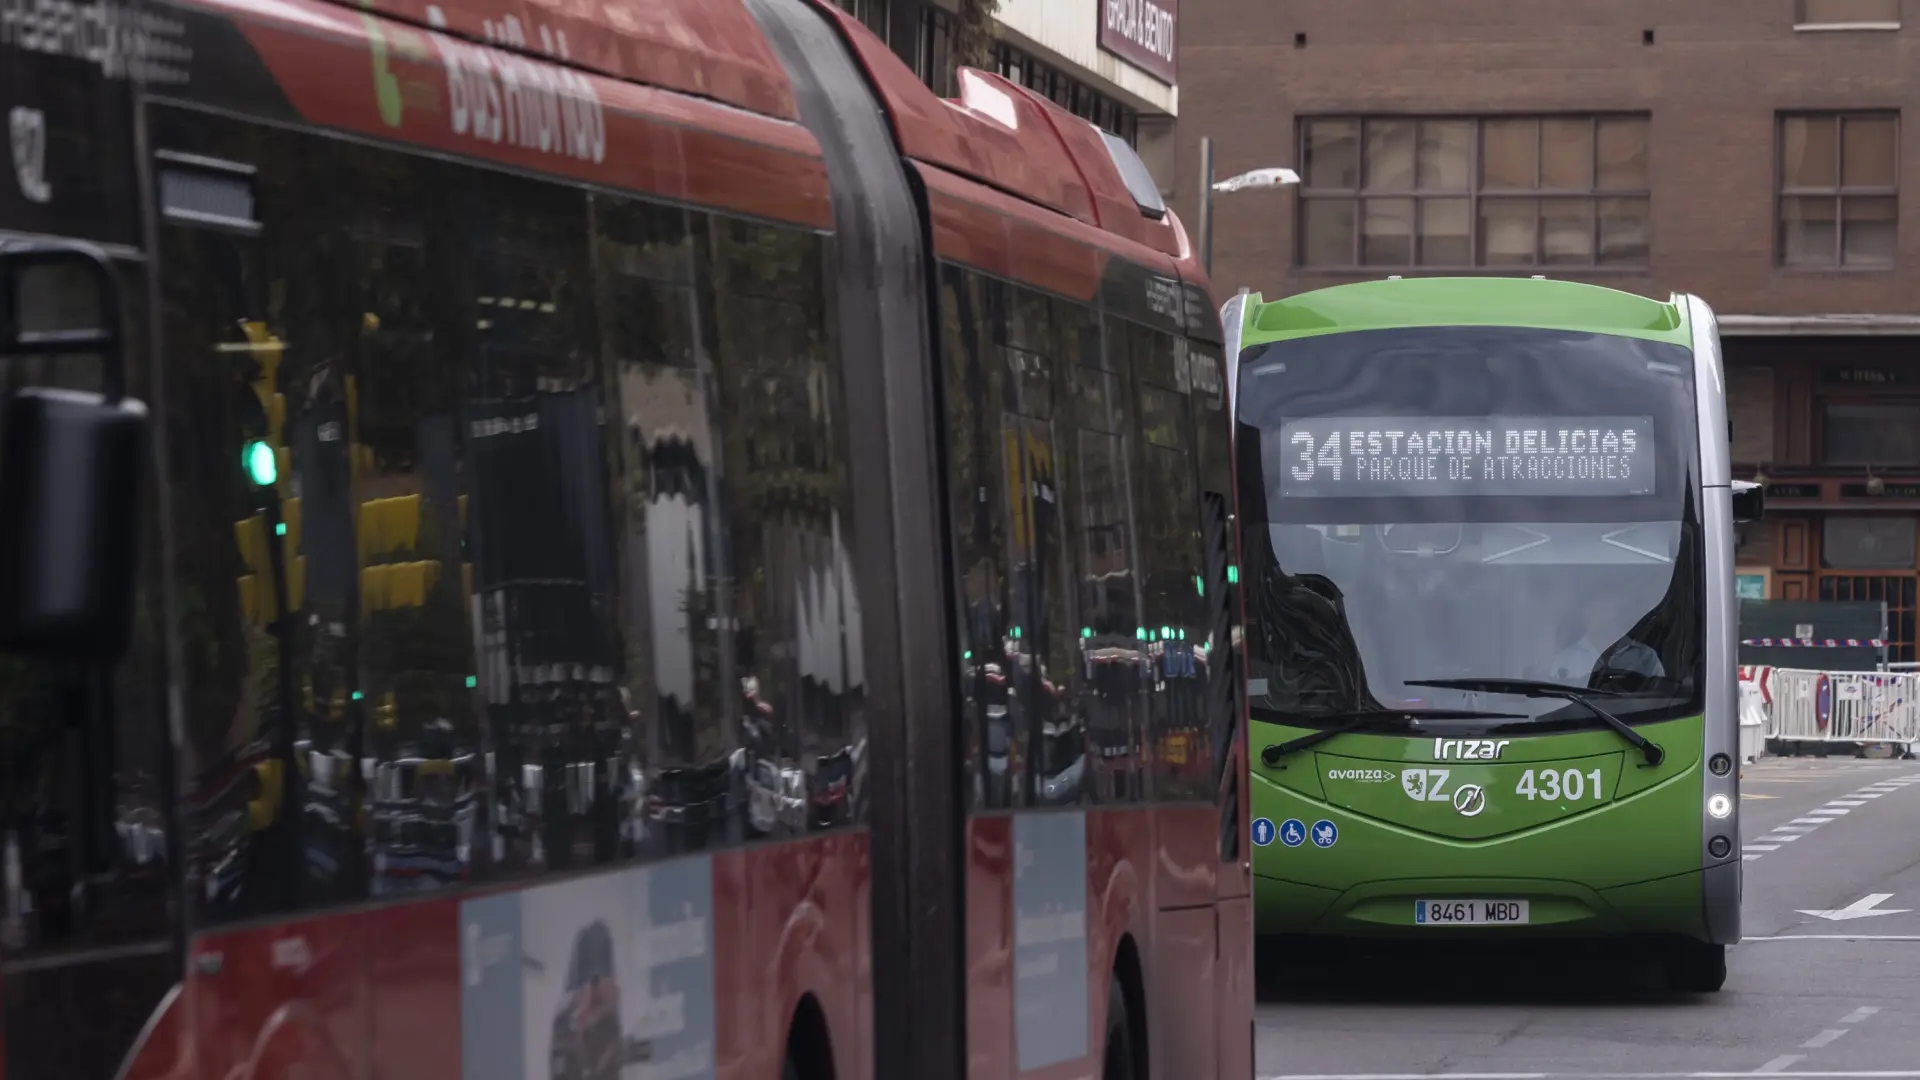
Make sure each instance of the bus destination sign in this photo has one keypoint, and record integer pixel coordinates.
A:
(1372, 456)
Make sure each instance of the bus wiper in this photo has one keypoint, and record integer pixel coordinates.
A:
(1579, 695)
(1344, 722)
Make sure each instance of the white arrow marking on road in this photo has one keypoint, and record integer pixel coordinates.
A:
(1859, 909)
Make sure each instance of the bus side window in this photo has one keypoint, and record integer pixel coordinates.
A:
(796, 621)
(1109, 584)
(976, 391)
(1169, 502)
(669, 524)
(1220, 669)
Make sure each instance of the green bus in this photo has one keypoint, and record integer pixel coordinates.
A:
(1487, 533)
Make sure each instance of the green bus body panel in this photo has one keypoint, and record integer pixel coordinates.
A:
(1628, 862)
(1382, 305)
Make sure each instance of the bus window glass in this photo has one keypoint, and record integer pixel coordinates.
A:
(537, 521)
(796, 632)
(1169, 505)
(1475, 502)
(673, 768)
(975, 480)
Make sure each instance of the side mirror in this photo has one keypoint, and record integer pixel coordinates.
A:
(1749, 501)
(71, 464)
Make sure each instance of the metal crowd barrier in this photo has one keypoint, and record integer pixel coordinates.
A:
(1806, 706)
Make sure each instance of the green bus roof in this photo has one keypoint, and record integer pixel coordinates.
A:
(1465, 301)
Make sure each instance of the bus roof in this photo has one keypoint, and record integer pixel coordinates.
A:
(1466, 301)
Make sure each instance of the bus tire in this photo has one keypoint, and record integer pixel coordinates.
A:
(1120, 1058)
(1696, 967)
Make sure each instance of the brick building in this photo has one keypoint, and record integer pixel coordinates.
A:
(1751, 151)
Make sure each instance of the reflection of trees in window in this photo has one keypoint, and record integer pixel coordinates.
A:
(786, 479)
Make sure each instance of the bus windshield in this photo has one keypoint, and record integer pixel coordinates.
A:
(1470, 502)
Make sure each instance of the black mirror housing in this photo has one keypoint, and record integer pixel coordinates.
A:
(1749, 501)
(70, 469)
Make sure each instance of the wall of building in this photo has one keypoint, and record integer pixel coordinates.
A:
(1711, 82)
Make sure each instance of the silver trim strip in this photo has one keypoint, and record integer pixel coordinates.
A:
(1720, 884)
(1232, 320)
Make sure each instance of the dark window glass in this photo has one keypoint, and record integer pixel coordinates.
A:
(995, 764)
(1858, 433)
(795, 627)
(1378, 558)
(1170, 545)
(85, 921)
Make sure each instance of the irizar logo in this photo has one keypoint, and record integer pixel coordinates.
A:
(1468, 749)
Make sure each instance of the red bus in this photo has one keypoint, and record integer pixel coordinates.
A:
(600, 541)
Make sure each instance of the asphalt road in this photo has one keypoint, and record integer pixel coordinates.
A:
(1806, 995)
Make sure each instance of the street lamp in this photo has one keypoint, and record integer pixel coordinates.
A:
(1256, 178)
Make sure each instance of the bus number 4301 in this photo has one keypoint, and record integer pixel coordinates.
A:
(1553, 786)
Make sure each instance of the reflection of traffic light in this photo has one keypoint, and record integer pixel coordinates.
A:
(263, 460)
(262, 467)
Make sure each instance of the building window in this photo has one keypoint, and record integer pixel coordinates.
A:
(1883, 435)
(873, 13)
(1839, 189)
(1854, 13)
(1867, 543)
(936, 51)
(1453, 192)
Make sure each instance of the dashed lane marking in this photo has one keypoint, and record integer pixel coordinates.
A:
(1780, 1063)
(1824, 1038)
(1833, 810)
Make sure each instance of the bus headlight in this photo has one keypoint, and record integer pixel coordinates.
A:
(1719, 805)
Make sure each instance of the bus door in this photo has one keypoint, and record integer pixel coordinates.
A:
(87, 947)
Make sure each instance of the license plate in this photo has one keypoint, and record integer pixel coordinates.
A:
(1470, 912)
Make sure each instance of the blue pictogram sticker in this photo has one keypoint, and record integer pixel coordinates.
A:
(1292, 833)
(1324, 834)
(1262, 832)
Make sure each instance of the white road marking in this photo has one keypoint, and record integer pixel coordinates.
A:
(1780, 1063)
(1859, 1014)
(1848, 802)
(1816, 822)
(1834, 937)
(1782, 837)
(1823, 1039)
(1760, 847)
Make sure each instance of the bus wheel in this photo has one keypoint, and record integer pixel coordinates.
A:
(1696, 967)
(1120, 1057)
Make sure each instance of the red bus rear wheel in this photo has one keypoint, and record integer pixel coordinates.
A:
(1120, 1056)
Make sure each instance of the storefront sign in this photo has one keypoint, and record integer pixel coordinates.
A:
(1144, 33)
(1792, 491)
(1870, 376)
(1888, 490)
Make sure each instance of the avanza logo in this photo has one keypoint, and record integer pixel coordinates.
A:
(1468, 749)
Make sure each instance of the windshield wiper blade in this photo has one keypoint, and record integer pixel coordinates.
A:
(1344, 722)
(1579, 695)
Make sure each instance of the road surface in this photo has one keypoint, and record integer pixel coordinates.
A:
(1807, 995)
